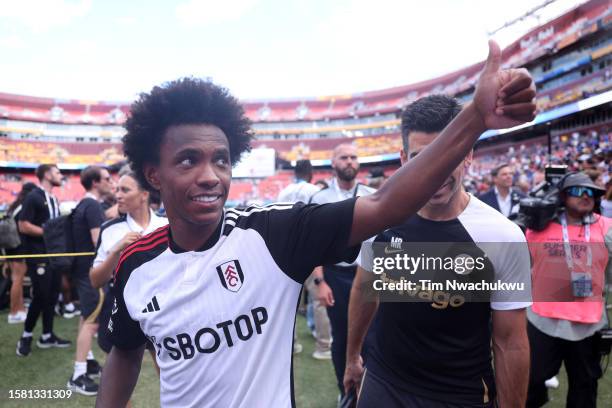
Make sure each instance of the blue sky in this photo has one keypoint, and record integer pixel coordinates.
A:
(111, 50)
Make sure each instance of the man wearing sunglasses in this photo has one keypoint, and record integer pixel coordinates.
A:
(570, 261)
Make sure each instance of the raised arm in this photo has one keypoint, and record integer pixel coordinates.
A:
(502, 99)
(119, 377)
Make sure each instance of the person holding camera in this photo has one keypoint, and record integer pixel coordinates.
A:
(570, 257)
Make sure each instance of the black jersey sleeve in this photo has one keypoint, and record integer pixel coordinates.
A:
(301, 237)
(125, 332)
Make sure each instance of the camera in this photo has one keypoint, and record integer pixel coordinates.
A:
(539, 208)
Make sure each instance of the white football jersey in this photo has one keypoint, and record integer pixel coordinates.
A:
(222, 318)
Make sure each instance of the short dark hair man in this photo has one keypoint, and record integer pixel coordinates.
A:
(215, 292)
(300, 189)
(39, 206)
(303, 170)
(503, 197)
(87, 219)
(432, 354)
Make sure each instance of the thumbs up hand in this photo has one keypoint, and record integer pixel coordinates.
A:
(504, 98)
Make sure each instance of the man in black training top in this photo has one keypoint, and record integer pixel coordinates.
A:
(39, 206)
(87, 219)
(437, 351)
(216, 290)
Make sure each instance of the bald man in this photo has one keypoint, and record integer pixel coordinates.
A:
(333, 282)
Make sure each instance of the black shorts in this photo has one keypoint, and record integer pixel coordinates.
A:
(20, 250)
(90, 298)
(104, 340)
(376, 392)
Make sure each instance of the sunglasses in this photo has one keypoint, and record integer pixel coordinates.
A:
(579, 191)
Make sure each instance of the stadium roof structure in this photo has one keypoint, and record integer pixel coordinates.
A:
(565, 30)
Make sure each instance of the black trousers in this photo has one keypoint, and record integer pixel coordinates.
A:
(46, 284)
(582, 363)
(340, 280)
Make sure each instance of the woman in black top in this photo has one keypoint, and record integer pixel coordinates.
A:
(17, 266)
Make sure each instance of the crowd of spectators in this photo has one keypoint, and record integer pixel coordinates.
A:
(590, 152)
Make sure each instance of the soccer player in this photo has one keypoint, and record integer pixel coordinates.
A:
(216, 291)
(434, 352)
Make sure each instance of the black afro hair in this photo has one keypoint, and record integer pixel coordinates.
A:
(186, 101)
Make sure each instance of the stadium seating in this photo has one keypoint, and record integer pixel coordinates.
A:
(570, 58)
(562, 33)
(56, 152)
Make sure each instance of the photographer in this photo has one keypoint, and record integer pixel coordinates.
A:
(570, 260)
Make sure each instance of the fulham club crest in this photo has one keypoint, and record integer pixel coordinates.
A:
(231, 275)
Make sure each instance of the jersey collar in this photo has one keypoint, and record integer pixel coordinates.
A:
(135, 227)
(207, 245)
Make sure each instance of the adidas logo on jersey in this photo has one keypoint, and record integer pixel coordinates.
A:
(152, 306)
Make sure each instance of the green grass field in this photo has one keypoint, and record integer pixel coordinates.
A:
(50, 369)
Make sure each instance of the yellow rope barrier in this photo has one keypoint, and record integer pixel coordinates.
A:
(47, 255)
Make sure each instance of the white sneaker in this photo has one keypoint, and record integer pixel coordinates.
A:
(297, 348)
(18, 317)
(70, 311)
(552, 382)
(322, 355)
